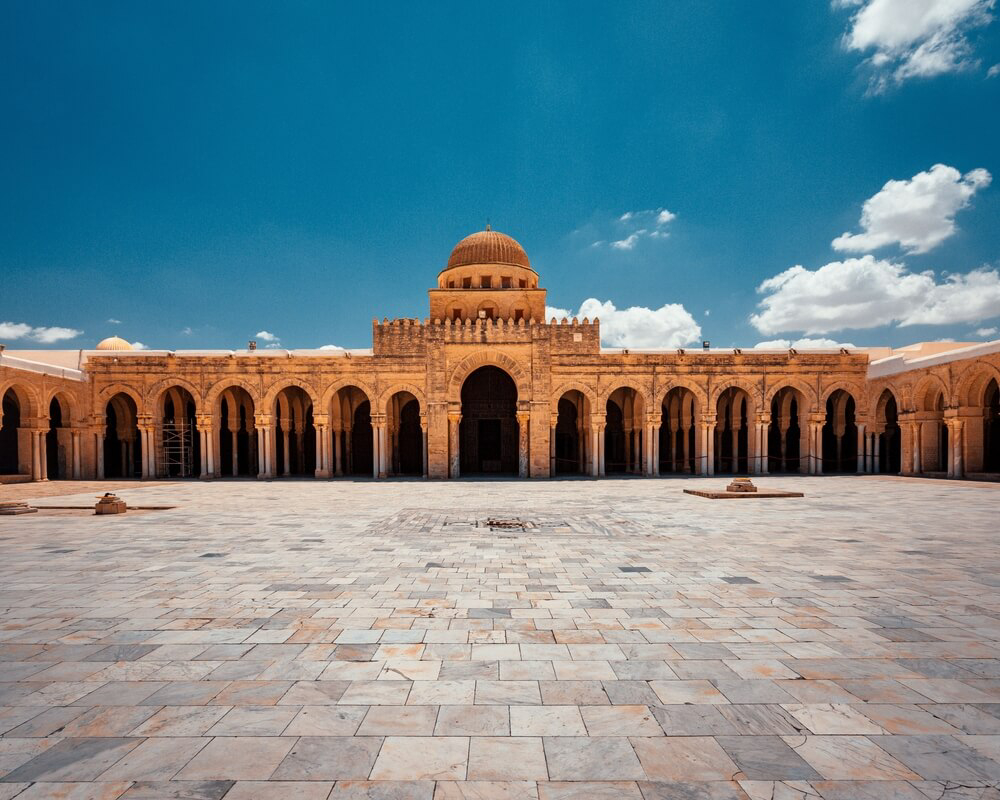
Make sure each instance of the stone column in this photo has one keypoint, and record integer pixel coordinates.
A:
(861, 448)
(75, 443)
(206, 431)
(764, 421)
(710, 432)
(454, 421)
(654, 442)
(552, 445)
(99, 454)
(876, 460)
(522, 443)
(146, 439)
(958, 430)
(595, 447)
(423, 444)
(203, 435)
(338, 466)
(36, 456)
(322, 469)
(918, 431)
(383, 445)
(601, 446)
(261, 452)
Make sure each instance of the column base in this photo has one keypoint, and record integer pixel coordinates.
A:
(322, 473)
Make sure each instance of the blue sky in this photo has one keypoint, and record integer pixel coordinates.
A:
(202, 172)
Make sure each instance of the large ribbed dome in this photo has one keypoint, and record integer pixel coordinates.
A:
(114, 343)
(488, 247)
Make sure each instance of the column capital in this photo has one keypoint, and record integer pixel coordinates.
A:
(263, 420)
(455, 416)
(654, 418)
(203, 421)
(764, 417)
(523, 416)
(321, 420)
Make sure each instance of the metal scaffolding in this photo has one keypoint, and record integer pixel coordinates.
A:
(176, 453)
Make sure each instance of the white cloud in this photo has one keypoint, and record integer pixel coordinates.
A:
(113, 321)
(984, 332)
(187, 331)
(653, 222)
(918, 213)
(331, 347)
(915, 38)
(266, 336)
(139, 346)
(629, 242)
(993, 71)
(42, 335)
(867, 292)
(802, 344)
(669, 326)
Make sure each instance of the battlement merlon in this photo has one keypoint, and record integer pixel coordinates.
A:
(412, 336)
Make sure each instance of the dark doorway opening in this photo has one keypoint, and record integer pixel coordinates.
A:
(488, 431)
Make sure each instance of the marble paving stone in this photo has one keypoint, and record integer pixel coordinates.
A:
(248, 758)
(155, 759)
(326, 721)
(684, 758)
(500, 758)
(74, 760)
(766, 758)
(578, 758)
(407, 758)
(377, 644)
(849, 758)
(473, 721)
(178, 790)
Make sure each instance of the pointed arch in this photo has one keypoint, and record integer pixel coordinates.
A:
(488, 358)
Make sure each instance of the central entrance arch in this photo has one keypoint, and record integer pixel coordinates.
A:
(488, 430)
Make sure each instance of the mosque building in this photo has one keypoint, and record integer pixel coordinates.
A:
(485, 385)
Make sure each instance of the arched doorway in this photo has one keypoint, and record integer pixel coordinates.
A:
(406, 435)
(840, 434)
(238, 453)
(785, 432)
(623, 435)
(888, 452)
(570, 446)
(295, 435)
(353, 438)
(488, 431)
(932, 432)
(179, 446)
(10, 425)
(122, 445)
(58, 456)
(732, 431)
(991, 427)
(678, 438)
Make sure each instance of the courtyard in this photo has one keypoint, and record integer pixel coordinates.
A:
(481, 640)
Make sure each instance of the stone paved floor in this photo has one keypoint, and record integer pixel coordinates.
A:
(622, 640)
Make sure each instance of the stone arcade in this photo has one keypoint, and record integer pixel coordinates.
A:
(485, 385)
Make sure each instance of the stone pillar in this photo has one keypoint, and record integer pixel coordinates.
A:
(99, 454)
(378, 446)
(205, 426)
(654, 441)
(322, 469)
(958, 436)
(384, 451)
(146, 439)
(764, 421)
(522, 443)
(552, 445)
(454, 421)
(261, 452)
(203, 435)
(285, 468)
(75, 444)
(423, 444)
(861, 448)
(710, 432)
(36, 456)
(338, 466)
(595, 447)
(265, 430)
(601, 444)
(876, 460)
(918, 431)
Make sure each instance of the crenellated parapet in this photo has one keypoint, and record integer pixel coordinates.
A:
(401, 337)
